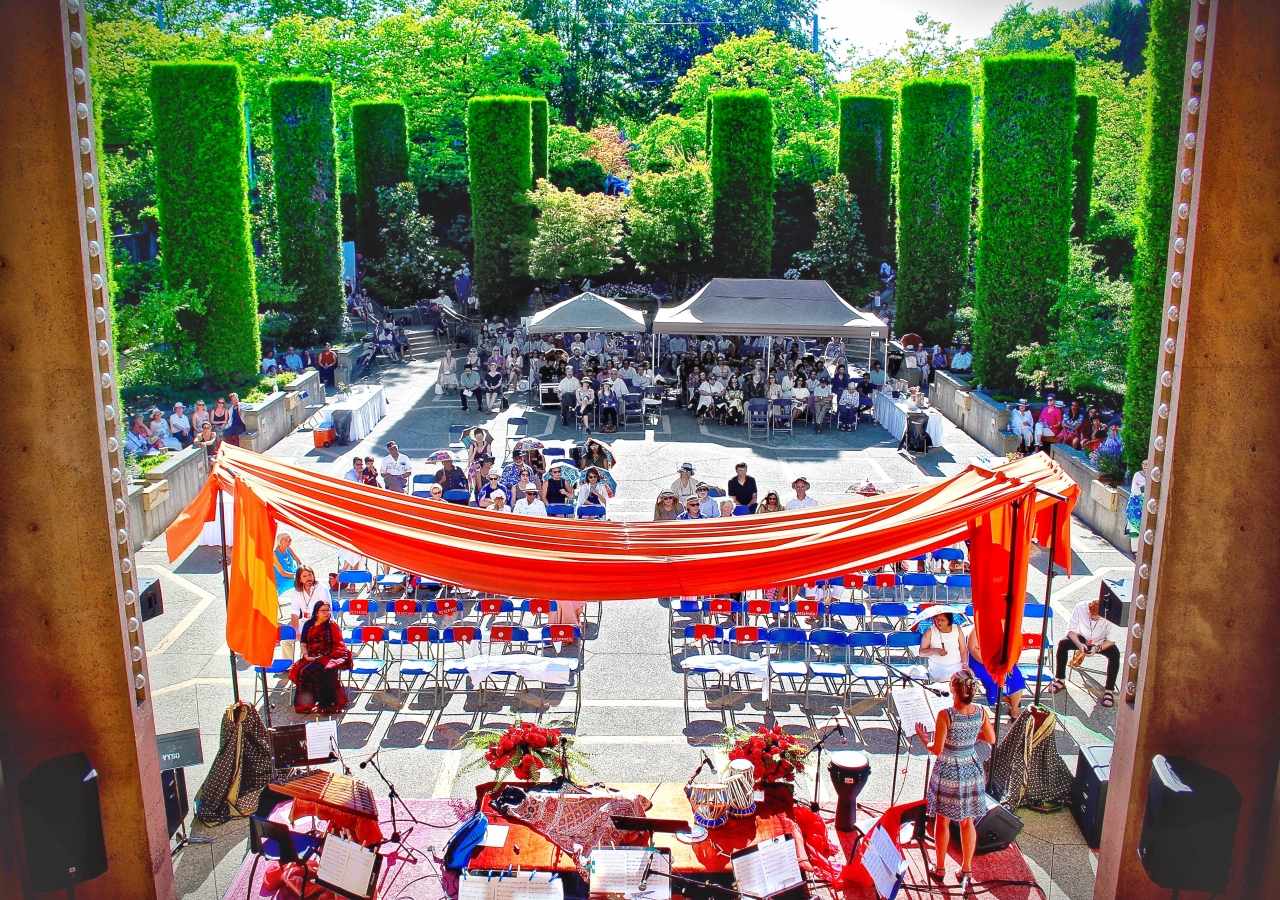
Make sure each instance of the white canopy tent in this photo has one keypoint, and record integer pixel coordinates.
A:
(763, 307)
(587, 312)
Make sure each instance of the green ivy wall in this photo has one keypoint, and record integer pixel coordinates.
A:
(499, 150)
(742, 183)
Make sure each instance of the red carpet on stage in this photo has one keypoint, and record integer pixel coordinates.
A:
(400, 879)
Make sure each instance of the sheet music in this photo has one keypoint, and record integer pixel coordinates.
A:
(883, 862)
(322, 739)
(479, 885)
(915, 704)
(619, 872)
(346, 865)
(768, 868)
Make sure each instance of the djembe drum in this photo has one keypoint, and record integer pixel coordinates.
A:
(849, 770)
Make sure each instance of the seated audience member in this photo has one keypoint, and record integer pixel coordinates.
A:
(666, 508)
(847, 404)
(349, 560)
(945, 647)
(160, 429)
(180, 425)
(1022, 424)
(821, 402)
(530, 504)
(742, 487)
(220, 416)
(293, 360)
(962, 362)
(478, 474)
(318, 671)
(726, 509)
(370, 474)
(356, 472)
(594, 454)
(692, 510)
(770, 504)
(499, 503)
(876, 375)
(802, 500)
(491, 488)
(1089, 633)
(450, 477)
(1072, 425)
(139, 440)
(492, 387)
(585, 401)
(610, 404)
(708, 506)
(592, 491)
(199, 416)
(270, 365)
(555, 488)
(1050, 422)
(207, 439)
(1014, 683)
(327, 363)
(939, 360)
(303, 596)
(436, 492)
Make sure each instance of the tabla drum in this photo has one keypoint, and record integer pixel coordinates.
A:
(742, 788)
(849, 770)
(710, 803)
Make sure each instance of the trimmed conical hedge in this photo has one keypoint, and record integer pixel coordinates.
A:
(866, 159)
(742, 183)
(307, 203)
(202, 196)
(935, 183)
(538, 124)
(1082, 153)
(499, 150)
(381, 151)
(1029, 119)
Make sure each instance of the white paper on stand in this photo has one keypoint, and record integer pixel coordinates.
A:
(768, 868)
(915, 704)
(883, 862)
(346, 865)
(322, 739)
(619, 872)
(481, 885)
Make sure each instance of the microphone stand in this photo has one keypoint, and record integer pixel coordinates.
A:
(394, 795)
(815, 805)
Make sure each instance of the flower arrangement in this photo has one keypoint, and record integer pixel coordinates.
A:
(523, 751)
(777, 755)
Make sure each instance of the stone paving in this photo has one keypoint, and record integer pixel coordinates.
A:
(632, 720)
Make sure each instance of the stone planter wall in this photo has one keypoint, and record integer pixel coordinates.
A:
(169, 487)
(1100, 506)
(977, 415)
(268, 422)
(302, 408)
(347, 357)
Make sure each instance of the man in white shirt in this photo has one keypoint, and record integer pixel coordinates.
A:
(356, 472)
(802, 500)
(530, 504)
(1091, 634)
(396, 469)
(628, 371)
(642, 378)
(962, 361)
(709, 508)
(180, 425)
(567, 387)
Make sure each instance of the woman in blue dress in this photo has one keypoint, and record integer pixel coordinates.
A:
(286, 562)
(956, 785)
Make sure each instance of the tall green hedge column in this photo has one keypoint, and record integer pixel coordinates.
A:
(1166, 59)
(381, 154)
(866, 159)
(499, 149)
(307, 203)
(538, 123)
(742, 183)
(202, 196)
(1029, 118)
(1082, 152)
(935, 178)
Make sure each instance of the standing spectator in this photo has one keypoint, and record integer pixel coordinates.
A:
(530, 504)
(356, 472)
(742, 487)
(1089, 634)
(468, 384)
(568, 388)
(450, 477)
(396, 470)
(180, 425)
(302, 596)
(802, 499)
(370, 474)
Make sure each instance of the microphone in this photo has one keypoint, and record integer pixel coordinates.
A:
(840, 728)
(371, 758)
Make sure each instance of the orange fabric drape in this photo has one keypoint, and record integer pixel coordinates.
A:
(253, 607)
(185, 530)
(999, 552)
(572, 560)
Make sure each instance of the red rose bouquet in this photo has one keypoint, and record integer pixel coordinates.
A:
(523, 751)
(777, 755)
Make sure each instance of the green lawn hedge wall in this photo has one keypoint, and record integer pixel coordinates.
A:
(381, 154)
(742, 183)
(202, 197)
(1082, 153)
(935, 184)
(1166, 59)
(499, 150)
(307, 203)
(866, 159)
(1029, 119)
(538, 112)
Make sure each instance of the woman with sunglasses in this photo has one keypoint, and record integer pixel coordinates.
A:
(770, 503)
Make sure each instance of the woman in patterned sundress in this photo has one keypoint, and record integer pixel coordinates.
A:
(955, 788)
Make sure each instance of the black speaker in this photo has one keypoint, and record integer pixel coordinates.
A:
(1089, 791)
(150, 600)
(997, 829)
(174, 784)
(62, 823)
(1113, 596)
(1189, 826)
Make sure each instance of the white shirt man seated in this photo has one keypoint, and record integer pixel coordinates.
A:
(962, 361)
(530, 504)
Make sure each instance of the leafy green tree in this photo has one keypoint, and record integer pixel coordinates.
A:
(1166, 60)
(839, 255)
(742, 183)
(669, 223)
(929, 52)
(498, 137)
(668, 140)
(582, 175)
(576, 236)
(154, 339)
(1087, 347)
(866, 161)
(201, 191)
(381, 160)
(411, 267)
(802, 162)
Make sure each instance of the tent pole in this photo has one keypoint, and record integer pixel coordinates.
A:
(226, 589)
(1048, 592)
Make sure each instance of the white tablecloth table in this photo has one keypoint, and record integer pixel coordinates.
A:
(529, 666)
(367, 404)
(892, 414)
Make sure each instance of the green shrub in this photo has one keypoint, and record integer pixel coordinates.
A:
(499, 150)
(935, 177)
(742, 183)
(1082, 153)
(1166, 59)
(381, 160)
(581, 175)
(866, 159)
(839, 252)
(306, 183)
(1029, 116)
(538, 136)
(199, 141)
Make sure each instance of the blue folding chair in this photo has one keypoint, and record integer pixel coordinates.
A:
(590, 511)
(681, 614)
(370, 639)
(780, 417)
(742, 510)
(902, 647)
(828, 657)
(864, 661)
(279, 664)
(517, 427)
(458, 497)
(560, 510)
(411, 668)
(893, 614)
(961, 584)
(948, 554)
(757, 416)
(1033, 614)
(845, 610)
(924, 580)
(553, 451)
(785, 645)
(353, 578)
(455, 436)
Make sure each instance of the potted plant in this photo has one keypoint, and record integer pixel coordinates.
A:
(776, 755)
(525, 751)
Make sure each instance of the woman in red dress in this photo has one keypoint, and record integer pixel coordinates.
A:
(318, 673)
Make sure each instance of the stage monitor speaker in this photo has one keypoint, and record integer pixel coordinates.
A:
(150, 600)
(174, 784)
(997, 829)
(1189, 826)
(1114, 596)
(1089, 791)
(62, 823)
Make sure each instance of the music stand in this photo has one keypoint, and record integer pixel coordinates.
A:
(351, 895)
(289, 748)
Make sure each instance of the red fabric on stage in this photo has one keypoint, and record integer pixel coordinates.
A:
(999, 552)
(570, 560)
(253, 607)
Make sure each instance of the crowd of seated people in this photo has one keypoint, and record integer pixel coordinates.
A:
(153, 432)
(1092, 430)
(690, 499)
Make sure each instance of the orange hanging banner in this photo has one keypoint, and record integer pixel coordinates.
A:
(999, 552)
(253, 607)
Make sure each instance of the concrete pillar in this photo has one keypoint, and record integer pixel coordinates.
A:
(69, 680)
(1206, 686)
